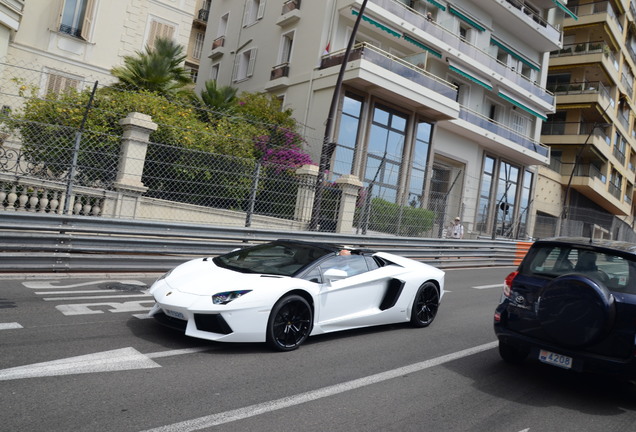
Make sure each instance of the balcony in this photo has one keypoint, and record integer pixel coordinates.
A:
(501, 139)
(217, 47)
(525, 22)
(290, 13)
(203, 15)
(588, 180)
(393, 78)
(588, 92)
(598, 13)
(418, 27)
(278, 77)
(585, 53)
(577, 133)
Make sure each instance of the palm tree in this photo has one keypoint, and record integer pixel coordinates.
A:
(158, 69)
(218, 98)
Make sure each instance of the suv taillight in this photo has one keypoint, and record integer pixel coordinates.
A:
(508, 283)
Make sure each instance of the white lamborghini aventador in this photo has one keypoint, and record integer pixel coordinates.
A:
(284, 291)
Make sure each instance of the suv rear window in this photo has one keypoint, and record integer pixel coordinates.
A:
(553, 261)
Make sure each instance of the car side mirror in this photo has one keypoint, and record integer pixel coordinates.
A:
(334, 274)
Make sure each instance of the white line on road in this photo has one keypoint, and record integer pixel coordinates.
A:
(53, 284)
(10, 326)
(69, 292)
(499, 285)
(94, 297)
(253, 410)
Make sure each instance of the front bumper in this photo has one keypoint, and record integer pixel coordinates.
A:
(198, 317)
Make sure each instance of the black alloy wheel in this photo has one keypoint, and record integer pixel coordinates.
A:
(289, 323)
(425, 305)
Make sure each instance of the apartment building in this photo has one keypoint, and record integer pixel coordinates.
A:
(197, 35)
(72, 43)
(442, 102)
(590, 181)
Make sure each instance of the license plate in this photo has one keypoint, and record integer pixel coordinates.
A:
(174, 314)
(555, 359)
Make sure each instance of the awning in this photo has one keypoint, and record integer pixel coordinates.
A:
(565, 9)
(437, 4)
(377, 24)
(522, 106)
(484, 83)
(466, 19)
(515, 54)
(421, 45)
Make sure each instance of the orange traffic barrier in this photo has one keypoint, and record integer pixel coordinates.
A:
(521, 251)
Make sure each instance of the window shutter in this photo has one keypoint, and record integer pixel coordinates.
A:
(261, 10)
(250, 66)
(237, 65)
(89, 16)
(248, 9)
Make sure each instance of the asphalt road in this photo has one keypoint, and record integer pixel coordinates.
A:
(78, 355)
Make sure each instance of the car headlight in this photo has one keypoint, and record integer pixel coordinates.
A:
(165, 275)
(228, 296)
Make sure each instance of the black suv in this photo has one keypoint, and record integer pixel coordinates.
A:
(572, 303)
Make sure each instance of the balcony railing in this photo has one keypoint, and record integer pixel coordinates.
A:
(204, 14)
(218, 42)
(290, 5)
(502, 130)
(438, 32)
(530, 13)
(619, 155)
(586, 48)
(587, 170)
(587, 87)
(393, 64)
(279, 71)
(614, 190)
(574, 128)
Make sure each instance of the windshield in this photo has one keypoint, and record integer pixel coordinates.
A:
(283, 259)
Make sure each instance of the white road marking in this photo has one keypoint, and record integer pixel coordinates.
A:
(10, 326)
(53, 284)
(85, 308)
(94, 297)
(107, 361)
(69, 292)
(499, 285)
(253, 410)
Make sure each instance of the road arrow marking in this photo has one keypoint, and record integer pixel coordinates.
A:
(107, 361)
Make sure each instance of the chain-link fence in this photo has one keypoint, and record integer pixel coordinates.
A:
(68, 148)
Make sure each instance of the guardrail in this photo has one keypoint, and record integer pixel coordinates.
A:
(43, 243)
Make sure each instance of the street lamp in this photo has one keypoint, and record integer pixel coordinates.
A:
(328, 146)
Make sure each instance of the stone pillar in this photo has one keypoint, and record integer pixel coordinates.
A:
(307, 175)
(132, 157)
(349, 185)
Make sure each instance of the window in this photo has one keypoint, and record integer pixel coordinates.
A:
(159, 30)
(58, 83)
(385, 151)
(198, 45)
(76, 18)
(347, 135)
(220, 31)
(520, 123)
(254, 11)
(214, 71)
(244, 64)
(484, 194)
(287, 42)
(419, 164)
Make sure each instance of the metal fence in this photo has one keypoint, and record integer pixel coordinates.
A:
(44, 243)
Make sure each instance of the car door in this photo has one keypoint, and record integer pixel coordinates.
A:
(352, 301)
